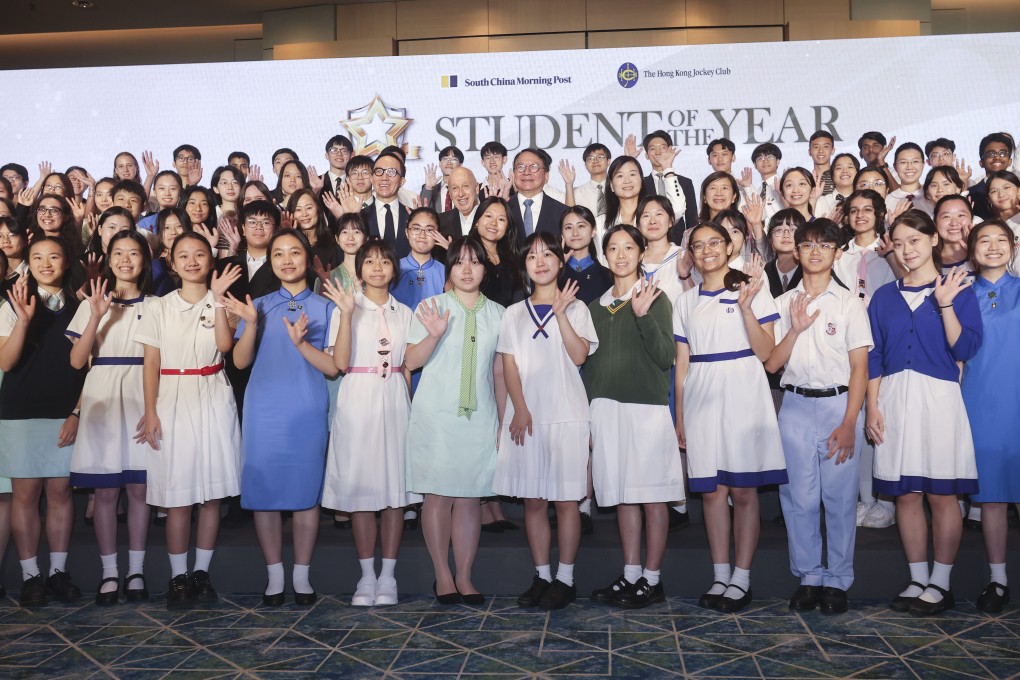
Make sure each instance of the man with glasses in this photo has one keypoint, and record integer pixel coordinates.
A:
(995, 153)
(765, 158)
(188, 163)
(258, 221)
(532, 209)
(873, 149)
(436, 194)
(17, 175)
(592, 194)
(387, 216)
(941, 152)
(338, 153)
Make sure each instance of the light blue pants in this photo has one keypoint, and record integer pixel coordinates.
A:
(805, 425)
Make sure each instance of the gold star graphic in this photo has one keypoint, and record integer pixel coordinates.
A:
(374, 127)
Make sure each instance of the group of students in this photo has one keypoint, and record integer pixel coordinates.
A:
(810, 332)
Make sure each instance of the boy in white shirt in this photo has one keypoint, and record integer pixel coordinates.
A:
(766, 159)
(821, 146)
(823, 337)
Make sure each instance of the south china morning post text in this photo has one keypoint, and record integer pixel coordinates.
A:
(497, 81)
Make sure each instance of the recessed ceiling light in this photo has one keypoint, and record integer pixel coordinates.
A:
(83, 4)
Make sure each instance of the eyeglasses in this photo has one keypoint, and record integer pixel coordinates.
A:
(712, 243)
(258, 225)
(940, 155)
(597, 157)
(185, 159)
(418, 231)
(1003, 191)
(43, 210)
(766, 157)
(824, 248)
(52, 188)
(359, 174)
(389, 172)
(869, 185)
(339, 150)
(784, 231)
(528, 167)
(8, 237)
(449, 159)
(989, 155)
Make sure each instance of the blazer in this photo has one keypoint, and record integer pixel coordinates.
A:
(432, 197)
(548, 219)
(689, 219)
(401, 244)
(776, 280)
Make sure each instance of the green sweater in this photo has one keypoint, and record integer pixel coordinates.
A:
(632, 362)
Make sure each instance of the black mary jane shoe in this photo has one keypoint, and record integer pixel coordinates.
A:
(274, 600)
(305, 599)
(710, 600)
(611, 594)
(833, 601)
(993, 598)
(921, 607)
(641, 595)
(107, 599)
(135, 594)
(532, 596)
(446, 598)
(805, 598)
(729, 605)
(901, 603)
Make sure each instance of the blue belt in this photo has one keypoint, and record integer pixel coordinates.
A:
(118, 361)
(721, 356)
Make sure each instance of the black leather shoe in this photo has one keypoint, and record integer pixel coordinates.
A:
(446, 598)
(558, 595)
(710, 601)
(202, 587)
(532, 596)
(135, 594)
(411, 523)
(901, 603)
(159, 521)
(921, 607)
(61, 587)
(492, 528)
(972, 524)
(507, 525)
(179, 594)
(611, 593)
(107, 599)
(805, 598)
(833, 601)
(475, 599)
(305, 599)
(641, 595)
(274, 600)
(678, 520)
(729, 605)
(587, 526)
(341, 523)
(993, 598)
(33, 592)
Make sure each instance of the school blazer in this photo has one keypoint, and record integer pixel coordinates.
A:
(263, 283)
(401, 245)
(776, 280)
(689, 219)
(548, 219)
(431, 197)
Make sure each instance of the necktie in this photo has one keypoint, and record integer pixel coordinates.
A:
(660, 186)
(390, 234)
(600, 201)
(53, 303)
(862, 275)
(910, 197)
(786, 281)
(840, 198)
(382, 350)
(764, 190)
(449, 201)
(468, 399)
(529, 220)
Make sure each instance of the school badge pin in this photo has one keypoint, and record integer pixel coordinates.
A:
(830, 329)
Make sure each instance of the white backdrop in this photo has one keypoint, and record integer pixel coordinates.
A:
(961, 87)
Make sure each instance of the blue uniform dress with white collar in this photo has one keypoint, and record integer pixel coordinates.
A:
(927, 444)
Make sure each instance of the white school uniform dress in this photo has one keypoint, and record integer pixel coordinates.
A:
(106, 454)
(365, 465)
(862, 270)
(664, 274)
(552, 463)
(729, 418)
(199, 457)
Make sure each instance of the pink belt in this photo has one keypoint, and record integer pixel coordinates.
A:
(372, 369)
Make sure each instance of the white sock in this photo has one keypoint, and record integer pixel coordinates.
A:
(963, 508)
(274, 573)
(565, 573)
(918, 573)
(974, 513)
(109, 563)
(178, 564)
(58, 562)
(585, 506)
(721, 574)
(388, 568)
(680, 508)
(632, 572)
(939, 577)
(367, 568)
(740, 583)
(544, 572)
(410, 513)
(999, 573)
(202, 559)
(651, 576)
(300, 578)
(29, 568)
(160, 514)
(136, 566)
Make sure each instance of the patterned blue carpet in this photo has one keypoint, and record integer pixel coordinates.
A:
(239, 638)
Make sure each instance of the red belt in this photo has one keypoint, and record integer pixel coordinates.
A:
(205, 370)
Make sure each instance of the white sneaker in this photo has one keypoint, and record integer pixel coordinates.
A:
(879, 517)
(385, 591)
(364, 596)
(862, 511)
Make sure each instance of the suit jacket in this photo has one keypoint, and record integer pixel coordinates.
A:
(689, 219)
(401, 245)
(432, 197)
(979, 199)
(548, 219)
(263, 283)
(327, 184)
(776, 279)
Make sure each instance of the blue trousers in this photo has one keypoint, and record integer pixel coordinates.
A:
(805, 425)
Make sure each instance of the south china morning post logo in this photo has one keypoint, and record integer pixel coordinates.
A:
(448, 81)
(627, 75)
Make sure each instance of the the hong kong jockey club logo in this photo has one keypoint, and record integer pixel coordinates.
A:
(627, 75)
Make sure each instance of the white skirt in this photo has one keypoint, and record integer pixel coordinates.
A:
(927, 444)
(552, 464)
(635, 456)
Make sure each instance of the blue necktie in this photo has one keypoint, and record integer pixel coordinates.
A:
(529, 222)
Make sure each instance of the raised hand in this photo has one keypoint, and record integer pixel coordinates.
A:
(45, 169)
(642, 298)
(885, 150)
(630, 146)
(315, 182)
(210, 235)
(745, 178)
(332, 205)
(228, 228)
(242, 310)
(563, 298)
(97, 297)
(27, 196)
(754, 266)
(150, 164)
(431, 178)
(800, 320)
(77, 209)
(221, 283)
(298, 329)
(884, 247)
(439, 240)
(254, 174)
(504, 187)
(435, 325)
(901, 207)
(819, 187)
(749, 290)
(287, 220)
(349, 200)
(320, 271)
(964, 171)
(668, 155)
(753, 209)
(685, 263)
(333, 290)
(195, 173)
(88, 226)
(21, 301)
(836, 214)
(567, 173)
(949, 286)
(93, 266)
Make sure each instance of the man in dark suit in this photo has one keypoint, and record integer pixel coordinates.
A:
(654, 144)
(463, 190)
(386, 217)
(338, 151)
(531, 208)
(438, 196)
